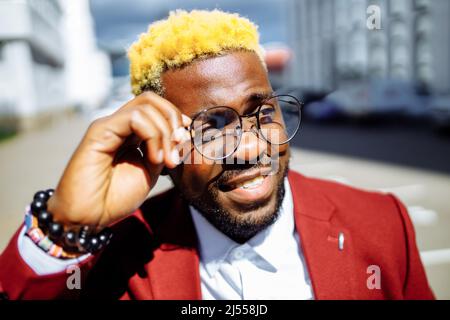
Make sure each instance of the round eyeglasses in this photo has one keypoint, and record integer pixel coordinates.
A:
(216, 132)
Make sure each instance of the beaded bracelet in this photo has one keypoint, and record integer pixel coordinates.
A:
(54, 238)
(42, 241)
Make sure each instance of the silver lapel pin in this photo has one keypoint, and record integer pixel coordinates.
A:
(341, 241)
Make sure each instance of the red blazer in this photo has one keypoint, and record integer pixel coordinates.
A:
(153, 254)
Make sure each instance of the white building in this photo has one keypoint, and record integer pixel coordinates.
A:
(333, 44)
(440, 46)
(48, 61)
(88, 70)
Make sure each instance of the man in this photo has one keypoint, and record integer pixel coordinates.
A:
(238, 224)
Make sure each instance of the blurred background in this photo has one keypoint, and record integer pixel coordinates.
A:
(374, 76)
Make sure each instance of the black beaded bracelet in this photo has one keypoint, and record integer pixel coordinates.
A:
(79, 239)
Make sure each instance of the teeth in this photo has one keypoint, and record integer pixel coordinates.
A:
(255, 182)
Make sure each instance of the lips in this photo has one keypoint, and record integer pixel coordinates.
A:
(249, 188)
(252, 183)
(245, 178)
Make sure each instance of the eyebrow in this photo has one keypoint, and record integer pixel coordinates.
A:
(256, 97)
(251, 98)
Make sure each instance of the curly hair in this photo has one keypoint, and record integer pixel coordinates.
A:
(185, 37)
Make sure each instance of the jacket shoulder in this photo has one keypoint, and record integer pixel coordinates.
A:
(381, 233)
(347, 196)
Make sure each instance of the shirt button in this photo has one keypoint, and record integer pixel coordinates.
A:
(238, 254)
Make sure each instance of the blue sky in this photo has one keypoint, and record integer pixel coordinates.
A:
(119, 22)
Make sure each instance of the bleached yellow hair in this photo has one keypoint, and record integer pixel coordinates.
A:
(185, 37)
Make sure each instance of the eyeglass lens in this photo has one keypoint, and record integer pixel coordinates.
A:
(217, 131)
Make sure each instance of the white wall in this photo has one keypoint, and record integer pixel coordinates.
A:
(88, 70)
(413, 43)
(49, 59)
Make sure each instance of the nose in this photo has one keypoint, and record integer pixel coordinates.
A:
(252, 147)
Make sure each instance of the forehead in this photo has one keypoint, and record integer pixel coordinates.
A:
(224, 80)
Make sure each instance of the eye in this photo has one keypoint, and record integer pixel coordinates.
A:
(266, 114)
(207, 128)
(209, 133)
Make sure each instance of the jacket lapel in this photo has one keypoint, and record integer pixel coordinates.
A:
(330, 268)
(174, 270)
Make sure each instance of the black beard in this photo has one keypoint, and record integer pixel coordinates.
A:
(240, 230)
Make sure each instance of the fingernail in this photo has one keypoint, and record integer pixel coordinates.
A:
(186, 119)
(178, 134)
(181, 135)
(175, 157)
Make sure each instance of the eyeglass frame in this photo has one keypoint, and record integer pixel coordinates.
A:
(253, 114)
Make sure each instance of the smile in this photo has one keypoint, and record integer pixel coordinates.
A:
(251, 184)
(250, 188)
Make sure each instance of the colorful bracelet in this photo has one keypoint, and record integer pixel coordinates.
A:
(54, 238)
(42, 241)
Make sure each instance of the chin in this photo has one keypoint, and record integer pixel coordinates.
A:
(242, 203)
(241, 220)
(253, 212)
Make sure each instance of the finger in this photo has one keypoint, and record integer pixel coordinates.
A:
(171, 158)
(155, 153)
(107, 134)
(151, 167)
(186, 120)
(170, 111)
(177, 120)
(152, 148)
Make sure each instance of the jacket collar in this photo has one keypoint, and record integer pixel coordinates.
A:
(174, 271)
(330, 269)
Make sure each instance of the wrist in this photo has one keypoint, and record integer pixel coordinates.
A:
(60, 238)
(61, 212)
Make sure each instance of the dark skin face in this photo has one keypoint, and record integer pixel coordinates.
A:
(237, 80)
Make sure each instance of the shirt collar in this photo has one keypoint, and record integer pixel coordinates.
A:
(215, 246)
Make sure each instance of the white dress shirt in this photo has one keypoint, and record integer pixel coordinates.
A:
(268, 266)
